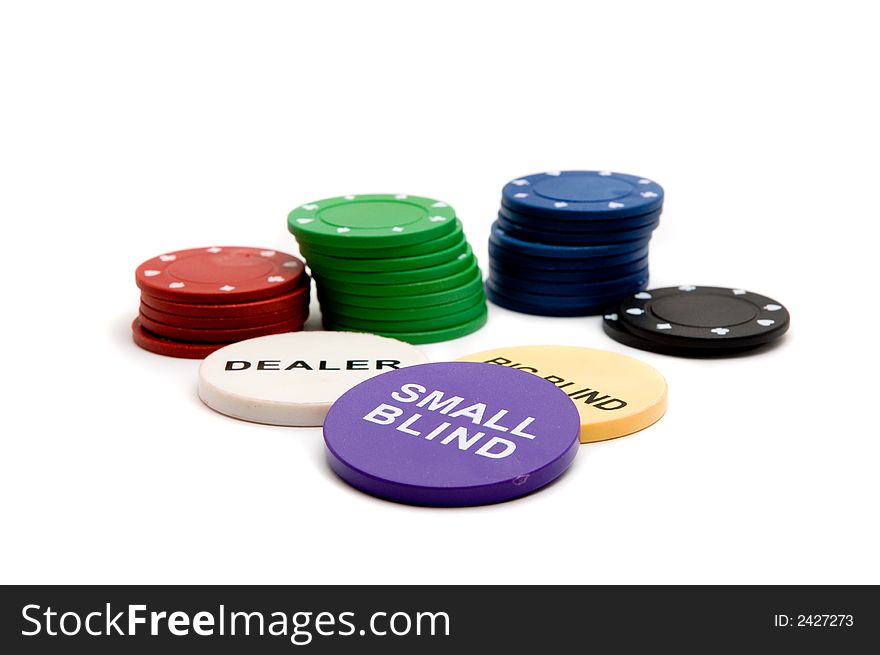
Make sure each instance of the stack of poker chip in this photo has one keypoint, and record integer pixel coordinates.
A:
(194, 302)
(572, 243)
(394, 265)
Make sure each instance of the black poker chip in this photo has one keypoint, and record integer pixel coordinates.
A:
(699, 321)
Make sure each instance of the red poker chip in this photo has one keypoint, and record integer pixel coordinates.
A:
(292, 313)
(169, 347)
(299, 297)
(220, 275)
(218, 336)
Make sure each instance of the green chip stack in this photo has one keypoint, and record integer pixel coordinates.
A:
(393, 265)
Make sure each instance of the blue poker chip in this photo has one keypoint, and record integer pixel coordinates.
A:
(531, 274)
(587, 194)
(503, 239)
(537, 305)
(572, 224)
(573, 238)
(618, 287)
(504, 255)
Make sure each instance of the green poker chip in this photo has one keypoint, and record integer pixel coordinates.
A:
(414, 250)
(419, 337)
(366, 284)
(461, 262)
(417, 299)
(375, 220)
(404, 314)
(440, 320)
(319, 262)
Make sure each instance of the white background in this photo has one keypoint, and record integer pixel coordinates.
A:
(133, 129)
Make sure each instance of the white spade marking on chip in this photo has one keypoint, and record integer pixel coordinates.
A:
(436, 219)
(310, 207)
(291, 264)
(267, 253)
(635, 311)
(520, 195)
(151, 273)
(765, 322)
(397, 229)
(343, 230)
(440, 203)
(167, 258)
(772, 308)
(615, 205)
(687, 287)
(348, 197)
(227, 287)
(664, 326)
(214, 250)
(719, 331)
(520, 183)
(176, 285)
(462, 255)
(275, 278)
(644, 181)
(553, 173)
(305, 221)
(605, 173)
(739, 292)
(643, 295)
(611, 317)
(400, 196)
(648, 194)
(560, 204)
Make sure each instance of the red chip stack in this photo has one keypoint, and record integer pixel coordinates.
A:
(196, 301)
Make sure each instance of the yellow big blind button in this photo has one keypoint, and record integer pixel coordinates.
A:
(615, 395)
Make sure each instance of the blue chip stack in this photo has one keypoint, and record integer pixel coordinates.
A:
(571, 243)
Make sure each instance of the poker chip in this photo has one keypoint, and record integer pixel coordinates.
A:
(196, 301)
(586, 195)
(697, 321)
(420, 336)
(292, 379)
(376, 220)
(391, 252)
(615, 395)
(451, 434)
(571, 243)
(219, 275)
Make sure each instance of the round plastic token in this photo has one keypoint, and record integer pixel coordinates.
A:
(504, 240)
(539, 306)
(502, 254)
(568, 224)
(506, 270)
(224, 323)
(218, 336)
(299, 297)
(401, 289)
(585, 194)
(332, 263)
(441, 318)
(169, 347)
(403, 314)
(615, 395)
(428, 336)
(451, 434)
(579, 289)
(461, 262)
(465, 289)
(574, 238)
(376, 220)
(292, 379)
(414, 250)
(219, 275)
(691, 317)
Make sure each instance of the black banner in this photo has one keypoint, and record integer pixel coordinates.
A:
(420, 619)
